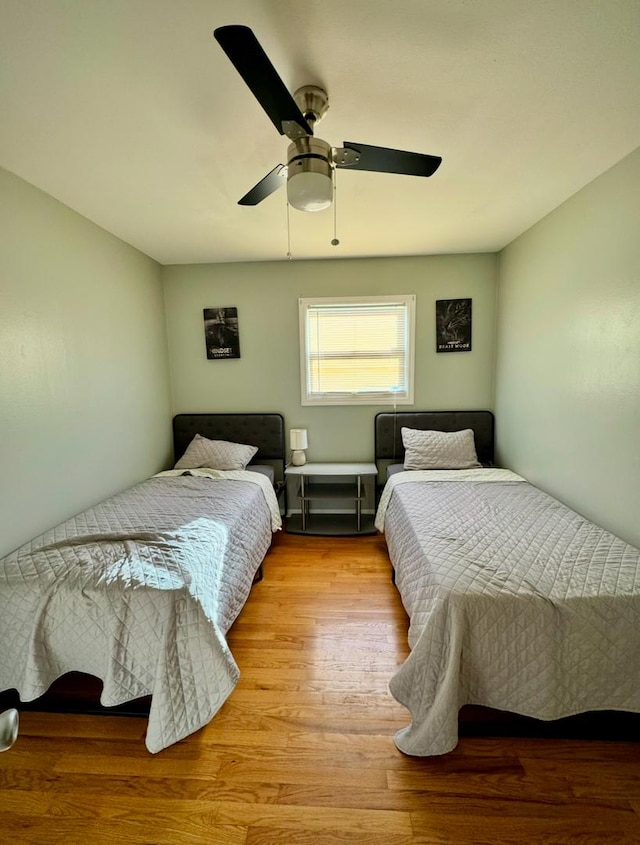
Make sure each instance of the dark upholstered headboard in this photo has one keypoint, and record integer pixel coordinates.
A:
(388, 439)
(266, 431)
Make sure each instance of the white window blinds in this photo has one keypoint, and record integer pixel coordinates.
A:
(357, 350)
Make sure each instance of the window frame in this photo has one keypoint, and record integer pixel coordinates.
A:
(379, 398)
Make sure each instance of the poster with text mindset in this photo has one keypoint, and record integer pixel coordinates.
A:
(221, 334)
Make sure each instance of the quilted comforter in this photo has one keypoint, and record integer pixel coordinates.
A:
(140, 591)
(515, 602)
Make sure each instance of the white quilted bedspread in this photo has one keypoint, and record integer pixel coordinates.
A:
(516, 602)
(140, 591)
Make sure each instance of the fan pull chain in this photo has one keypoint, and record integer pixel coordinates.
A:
(335, 240)
(289, 256)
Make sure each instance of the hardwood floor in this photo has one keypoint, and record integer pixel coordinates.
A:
(302, 752)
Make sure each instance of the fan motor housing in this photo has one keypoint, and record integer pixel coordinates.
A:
(313, 102)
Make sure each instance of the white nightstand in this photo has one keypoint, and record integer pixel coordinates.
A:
(350, 488)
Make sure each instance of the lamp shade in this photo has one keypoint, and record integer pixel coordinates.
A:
(298, 438)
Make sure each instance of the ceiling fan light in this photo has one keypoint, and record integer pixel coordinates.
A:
(309, 174)
(309, 191)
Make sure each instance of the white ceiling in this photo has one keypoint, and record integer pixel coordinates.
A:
(130, 113)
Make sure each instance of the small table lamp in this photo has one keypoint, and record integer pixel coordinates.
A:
(298, 442)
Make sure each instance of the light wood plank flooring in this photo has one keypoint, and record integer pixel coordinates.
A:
(302, 752)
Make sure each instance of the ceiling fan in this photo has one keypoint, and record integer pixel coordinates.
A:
(311, 162)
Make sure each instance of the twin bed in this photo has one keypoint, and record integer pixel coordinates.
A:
(515, 601)
(140, 590)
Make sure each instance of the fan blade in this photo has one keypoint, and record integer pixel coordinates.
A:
(253, 65)
(385, 160)
(271, 182)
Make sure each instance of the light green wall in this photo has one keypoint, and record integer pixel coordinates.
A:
(84, 395)
(568, 352)
(84, 390)
(267, 376)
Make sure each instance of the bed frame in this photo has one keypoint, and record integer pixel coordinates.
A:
(77, 692)
(476, 720)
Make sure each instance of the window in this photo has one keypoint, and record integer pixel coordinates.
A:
(357, 350)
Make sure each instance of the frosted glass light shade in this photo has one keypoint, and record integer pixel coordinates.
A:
(308, 191)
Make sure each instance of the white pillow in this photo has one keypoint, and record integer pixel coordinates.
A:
(439, 449)
(215, 454)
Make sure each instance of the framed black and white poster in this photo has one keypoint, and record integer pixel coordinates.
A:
(453, 325)
(221, 334)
